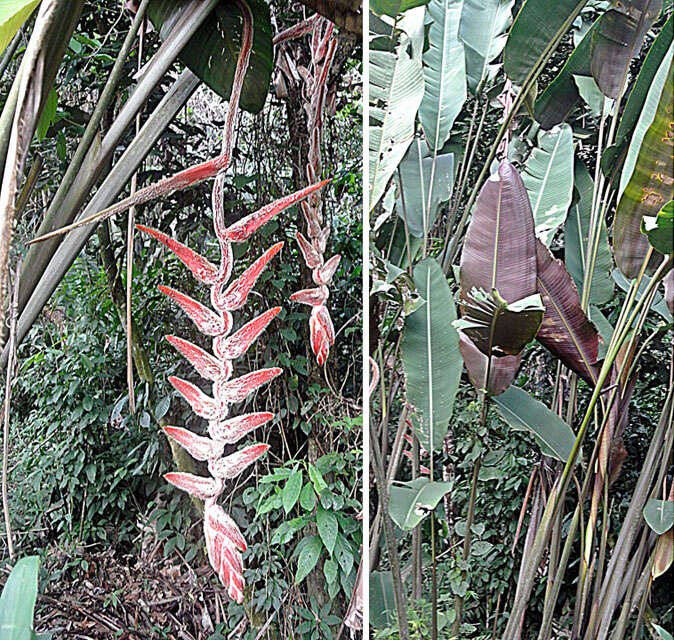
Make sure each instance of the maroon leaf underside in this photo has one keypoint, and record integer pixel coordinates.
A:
(565, 331)
(501, 373)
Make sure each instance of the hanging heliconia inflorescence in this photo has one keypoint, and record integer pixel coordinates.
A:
(323, 45)
(224, 541)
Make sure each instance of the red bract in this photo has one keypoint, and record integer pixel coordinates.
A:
(199, 448)
(236, 294)
(237, 390)
(311, 256)
(231, 466)
(237, 344)
(202, 269)
(312, 297)
(220, 522)
(206, 320)
(323, 275)
(201, 404)
(198, 486)
(234, 429)
(206, 365)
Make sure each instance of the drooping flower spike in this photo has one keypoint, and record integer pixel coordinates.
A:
(224, 541)
(323, 45)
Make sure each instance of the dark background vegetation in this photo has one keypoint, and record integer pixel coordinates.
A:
(121, 549)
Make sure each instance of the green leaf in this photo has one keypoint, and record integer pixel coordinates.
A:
(591, 93)
(13, 13)
(212, 52)
(308, 558)
(330, 568)
(561, 96)
(396, 90)
(576, 233)
(657, 304)
(412, 501)
(665, 635)
(17, 602)
(382, 600)
(538, 23)
(659, 514)
(415, 169)
(48, 115)
(642, 192)
(291, 490)
(548, 177)
(444, 72)
(326, 521)
(660, 230)
(394, 7)
(317, 479)
(617, 39)
(308, 497)
(522, 412)
(430, 354)
(482, 28)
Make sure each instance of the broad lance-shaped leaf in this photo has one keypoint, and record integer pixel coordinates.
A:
(565, 332)
(238, 389)
(522, 412)
(412, 501)
(394, 8)
(618, 38)
(237, 344)
(198, 486)
(444, 72)
(17, 602)
(669, 291)
(236, 294)
(646, 184)
(482, 30)
(202, 269)
(232, 430)
(244, 228)
(660, 230)
(198, 447)
(213, 52)
(502, 370)
(415, 172)
(207, 321)
(231, 466)
(548, 177)
(663, 555)
(500, 247)
(576, 231)
(396, 90)
(560, 97)
(430, 354)
(12, 17)
(496, 327)
(614, 156)
(206, 365)
(537, 24)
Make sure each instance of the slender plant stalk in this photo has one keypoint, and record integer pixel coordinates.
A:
(11, 365)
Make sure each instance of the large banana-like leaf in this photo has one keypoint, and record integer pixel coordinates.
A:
(213, 51)
(502, 370)
(500, 247)
(646, 184)
(614, 155)
(444, 72)
(565, 332)
(537, 25)
(13, 13)
(669, 291)
(522, 412)
(561, 96)
(396, 90)
(548, 176)
(482, 30)
(17, 602)
(430, 354)
(660, 230)
(412, 501)
(576, 233)
(415, 171)
(393, 8)
(617, 39)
